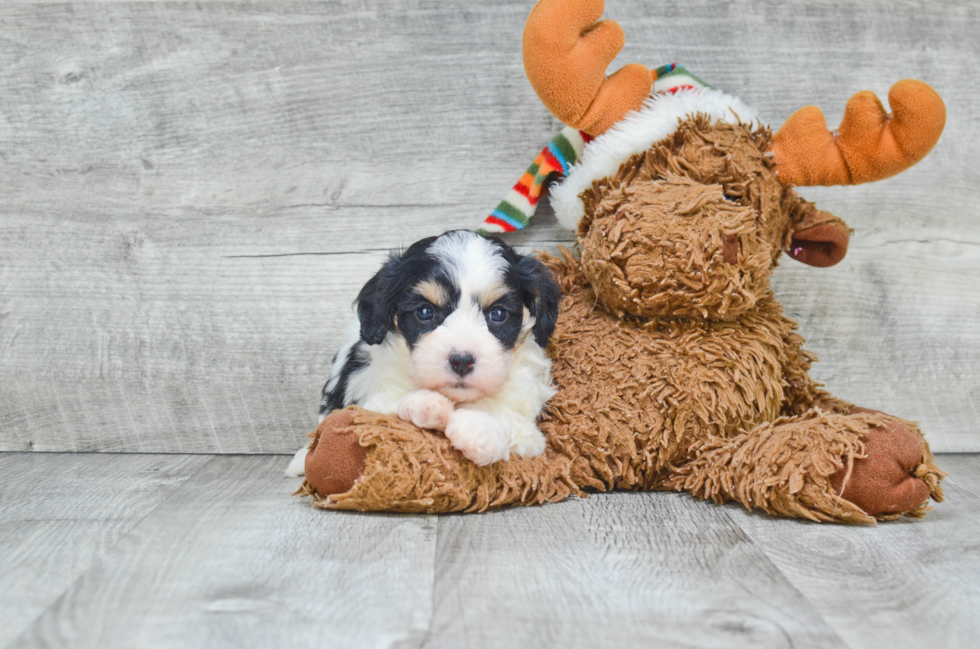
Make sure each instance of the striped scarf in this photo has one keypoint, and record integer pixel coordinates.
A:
(558, 157)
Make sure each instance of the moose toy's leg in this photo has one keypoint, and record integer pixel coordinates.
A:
(855, 467)
(364, 461)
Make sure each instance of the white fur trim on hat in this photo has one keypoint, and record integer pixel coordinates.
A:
(635, 133)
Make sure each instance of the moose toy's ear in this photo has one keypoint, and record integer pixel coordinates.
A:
(820, 245)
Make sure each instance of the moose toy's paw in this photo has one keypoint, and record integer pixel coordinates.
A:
(885, 481)
(337, 460)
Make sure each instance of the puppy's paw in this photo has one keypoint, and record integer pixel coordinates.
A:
(482, 438)
(528, 441)
(426, 409)
(297, 465)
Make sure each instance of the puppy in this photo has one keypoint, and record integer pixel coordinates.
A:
(451, 337)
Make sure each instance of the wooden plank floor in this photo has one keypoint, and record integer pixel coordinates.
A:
(60, 514)
(107, 551)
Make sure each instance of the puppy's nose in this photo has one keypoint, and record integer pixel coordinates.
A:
(462, 362)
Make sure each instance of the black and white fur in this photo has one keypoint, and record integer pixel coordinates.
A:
(451, 337)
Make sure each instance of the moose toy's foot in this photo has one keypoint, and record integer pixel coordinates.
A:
(336, 458)
(896, 475)
(857, 467)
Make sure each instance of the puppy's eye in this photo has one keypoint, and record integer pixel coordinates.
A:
(425, 313)
(497, 314)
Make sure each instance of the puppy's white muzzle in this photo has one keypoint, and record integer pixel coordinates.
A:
(461, 359)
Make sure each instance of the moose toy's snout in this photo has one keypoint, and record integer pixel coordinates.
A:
(675, 248)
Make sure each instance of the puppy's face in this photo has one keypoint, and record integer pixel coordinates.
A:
(463, 304)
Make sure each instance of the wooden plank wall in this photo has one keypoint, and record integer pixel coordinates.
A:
(192, 194)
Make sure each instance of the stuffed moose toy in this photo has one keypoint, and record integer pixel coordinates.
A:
(674, 364)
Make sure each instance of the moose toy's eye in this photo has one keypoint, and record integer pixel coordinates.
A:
(425, 313)
(497, 314)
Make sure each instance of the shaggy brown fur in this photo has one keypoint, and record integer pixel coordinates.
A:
(692, 227)
(408, 469)
(674, 363)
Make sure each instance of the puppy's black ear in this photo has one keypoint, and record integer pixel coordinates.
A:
(541, 297)
(377, 302)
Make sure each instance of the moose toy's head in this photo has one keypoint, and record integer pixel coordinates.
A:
(682, 206)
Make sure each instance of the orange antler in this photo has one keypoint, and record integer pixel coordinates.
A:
(869, 144)
(566, 53)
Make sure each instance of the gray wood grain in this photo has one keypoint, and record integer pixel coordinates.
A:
(227, 559)
(616, 570)
(59, 514)
(194, 193)
(964, 472)
(230, 560)
(902, 584)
